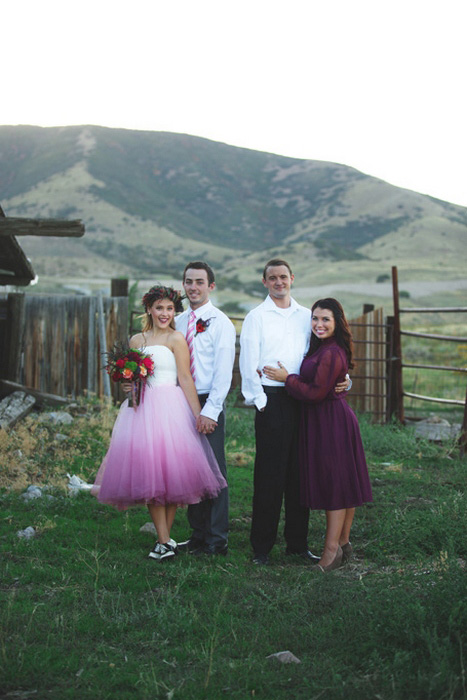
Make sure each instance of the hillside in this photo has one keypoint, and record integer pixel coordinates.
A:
(152, 200)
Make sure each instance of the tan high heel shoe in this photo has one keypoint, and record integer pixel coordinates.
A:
(347, 552)
(336, 562)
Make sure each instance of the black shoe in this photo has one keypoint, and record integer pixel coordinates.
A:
(212, 549)
(191, 546)
(260, 559)
(305, 554)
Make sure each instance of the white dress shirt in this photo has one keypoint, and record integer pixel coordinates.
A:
(214, 353)
(271, 335)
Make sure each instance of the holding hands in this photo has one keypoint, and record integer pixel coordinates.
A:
(205, 425)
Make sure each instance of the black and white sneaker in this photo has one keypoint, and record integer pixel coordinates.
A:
(170, 550)
(156, 552)
(164, 551)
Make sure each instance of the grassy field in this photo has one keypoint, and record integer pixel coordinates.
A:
(85, 614)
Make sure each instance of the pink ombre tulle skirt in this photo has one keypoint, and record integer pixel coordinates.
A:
(157, 456)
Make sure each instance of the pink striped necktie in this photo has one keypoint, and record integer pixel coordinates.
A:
(190, 334)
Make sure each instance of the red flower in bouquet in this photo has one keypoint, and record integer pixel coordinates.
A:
(148, 363)
(129, 365)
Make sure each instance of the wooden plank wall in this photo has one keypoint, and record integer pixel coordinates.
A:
(59, 348)
(369, 376)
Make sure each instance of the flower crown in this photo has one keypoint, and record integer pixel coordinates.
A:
(161, 292)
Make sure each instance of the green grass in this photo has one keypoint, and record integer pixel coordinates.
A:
(84, 613)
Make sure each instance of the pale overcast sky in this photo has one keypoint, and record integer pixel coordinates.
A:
(374, 84)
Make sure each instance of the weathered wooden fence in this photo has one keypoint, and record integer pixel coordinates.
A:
(53, 344)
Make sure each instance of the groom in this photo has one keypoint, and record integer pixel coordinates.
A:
(211, 338)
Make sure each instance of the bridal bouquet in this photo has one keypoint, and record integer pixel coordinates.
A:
(125, 364)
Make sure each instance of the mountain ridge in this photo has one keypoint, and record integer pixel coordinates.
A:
(151, 200)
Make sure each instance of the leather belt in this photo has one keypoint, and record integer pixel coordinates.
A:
(274, 389)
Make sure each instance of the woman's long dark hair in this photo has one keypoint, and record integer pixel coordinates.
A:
(342, 332)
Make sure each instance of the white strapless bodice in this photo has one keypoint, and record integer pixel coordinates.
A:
(165, 367)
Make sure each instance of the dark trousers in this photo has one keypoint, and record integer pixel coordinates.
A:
(209, 520)
(277, 476)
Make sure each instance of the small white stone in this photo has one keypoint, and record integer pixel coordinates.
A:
(285, 657)
(31, 493)
(148, 527)
(27, 533)
(58, 418)
(75, 483)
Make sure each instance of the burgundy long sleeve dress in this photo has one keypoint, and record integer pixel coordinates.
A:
(333, 468)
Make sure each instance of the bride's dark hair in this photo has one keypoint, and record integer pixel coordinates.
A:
(342, 332)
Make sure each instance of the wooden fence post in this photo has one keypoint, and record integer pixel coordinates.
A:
(119, 287)
(92, 374)
(391, 388)
(103, 344)
(463, 435)
(397, 346)
(15, 333)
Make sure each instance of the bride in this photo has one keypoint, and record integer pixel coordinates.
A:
(156, 456)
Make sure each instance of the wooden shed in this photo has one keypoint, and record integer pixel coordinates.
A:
(15, 268)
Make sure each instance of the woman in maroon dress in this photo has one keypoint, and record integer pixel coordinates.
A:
(334, 475)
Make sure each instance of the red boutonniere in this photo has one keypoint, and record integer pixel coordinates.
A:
(201, 325)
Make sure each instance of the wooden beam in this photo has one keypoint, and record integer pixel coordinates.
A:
(433, 336)
(14, 281)
(40, 397)
(450, 369)
(12, 226)
(443, 309)
(454, 402)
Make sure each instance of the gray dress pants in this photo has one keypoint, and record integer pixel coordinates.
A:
(209, 520)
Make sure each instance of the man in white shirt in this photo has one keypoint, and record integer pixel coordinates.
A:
(278, 330)
(213, 346)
